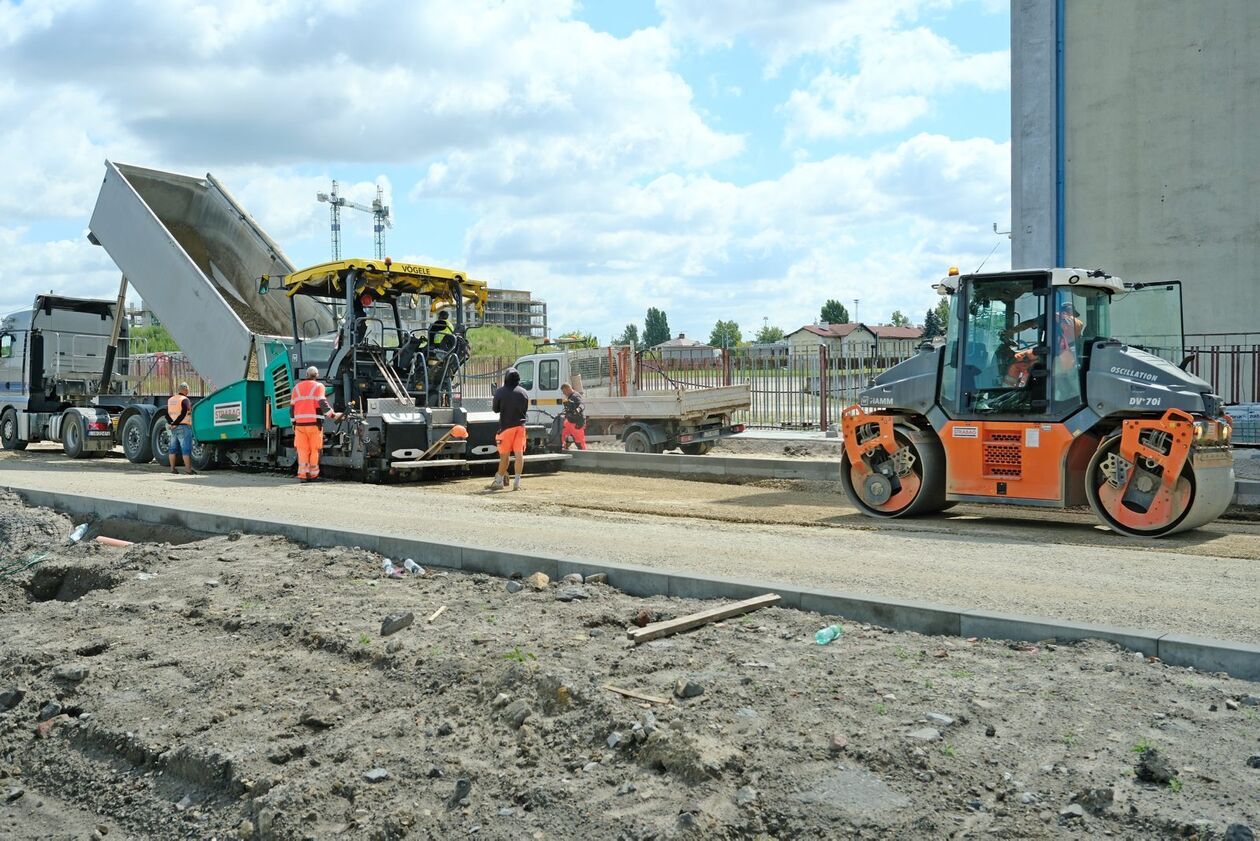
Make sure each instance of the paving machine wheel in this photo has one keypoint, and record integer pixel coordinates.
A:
(900, 471)
(1142, 481)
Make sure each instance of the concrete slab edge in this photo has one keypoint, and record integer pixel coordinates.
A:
(1246, 491)
(1238, 659)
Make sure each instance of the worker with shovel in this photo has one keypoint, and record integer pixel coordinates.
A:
(512, 403)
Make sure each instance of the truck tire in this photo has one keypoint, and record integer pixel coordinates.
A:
(160, 441)
(697, 449)
(637, 441)
(9, 431)
(136, 443)
(73, 436)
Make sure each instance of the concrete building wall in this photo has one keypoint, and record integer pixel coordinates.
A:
(1160, 120)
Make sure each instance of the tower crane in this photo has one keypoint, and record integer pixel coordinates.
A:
(380, 218)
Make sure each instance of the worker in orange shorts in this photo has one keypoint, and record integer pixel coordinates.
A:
(574, 418)
(512, 403)
(308, 404)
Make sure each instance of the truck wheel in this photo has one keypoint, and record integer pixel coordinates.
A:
(9, 431)
(136, 444)
(639, 442)
(697, 449)
(72, 436)
(160, 441)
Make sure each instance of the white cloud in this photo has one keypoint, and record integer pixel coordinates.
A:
(898, 76)
(68, 266)
(880, 228)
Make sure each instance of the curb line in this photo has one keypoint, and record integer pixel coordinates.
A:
(1238, 659)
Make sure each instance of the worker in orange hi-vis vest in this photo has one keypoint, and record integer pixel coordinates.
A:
(309, 406)
(179, 422)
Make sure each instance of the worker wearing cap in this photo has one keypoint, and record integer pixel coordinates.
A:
(309, 407)
(574, 418)
(179, 422)
(512, 403)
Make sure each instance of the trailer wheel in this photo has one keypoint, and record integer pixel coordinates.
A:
(9, 431)
(136, 444)
(637, 441)
(72, 435)
(697, 449)
(160, 441)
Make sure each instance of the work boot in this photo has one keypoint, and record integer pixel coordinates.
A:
(497, 484)
(516, 483)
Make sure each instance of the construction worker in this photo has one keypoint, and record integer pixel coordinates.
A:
(574, 418)
(440, 329)
(512, 403)
(309, 403)
(1069, 330)
(179, 421)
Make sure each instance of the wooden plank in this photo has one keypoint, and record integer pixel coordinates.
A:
(638, 696)
(437, 613)
(685, 623)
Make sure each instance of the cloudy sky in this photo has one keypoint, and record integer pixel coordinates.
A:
(735, 159)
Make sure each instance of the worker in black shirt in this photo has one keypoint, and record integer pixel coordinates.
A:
(574, 418)
(512, 403)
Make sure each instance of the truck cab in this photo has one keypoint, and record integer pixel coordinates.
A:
(52, 357)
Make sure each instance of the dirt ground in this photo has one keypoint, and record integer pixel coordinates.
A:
(240, 686)
(1041, 563)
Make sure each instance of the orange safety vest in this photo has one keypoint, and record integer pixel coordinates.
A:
(175, 405)
(306, 397)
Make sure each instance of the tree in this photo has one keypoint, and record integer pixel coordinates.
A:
(833, 312)
(152, 339)
(936, 321)
(629, 336)
(725, 334)
(931, 325)
(655, 328)
(769, 335)
(898, 319)
(578, 339)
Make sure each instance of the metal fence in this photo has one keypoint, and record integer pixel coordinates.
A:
(159, 373)
(785, 382)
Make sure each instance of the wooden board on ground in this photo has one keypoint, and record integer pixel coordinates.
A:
(685, 623)
(638, 696)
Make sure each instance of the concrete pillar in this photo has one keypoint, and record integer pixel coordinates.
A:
(1035, 215)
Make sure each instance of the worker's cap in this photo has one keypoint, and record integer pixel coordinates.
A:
(1067, 306)
(311, 372)
(183, 386)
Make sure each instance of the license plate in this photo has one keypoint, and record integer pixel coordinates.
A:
(99, 433)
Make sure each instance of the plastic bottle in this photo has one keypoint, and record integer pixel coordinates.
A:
(387, 566)
(828, 634)
(413, 567)
(77, 534)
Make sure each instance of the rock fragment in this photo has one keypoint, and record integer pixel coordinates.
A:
(376, 775)
(395, 622)
(688, 688)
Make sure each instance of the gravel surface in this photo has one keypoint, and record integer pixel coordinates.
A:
(239, 687)
(1053, 564)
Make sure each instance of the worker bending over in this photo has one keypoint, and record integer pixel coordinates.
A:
(512, 403)
(574, 418)
(179, 419)
(309, 403)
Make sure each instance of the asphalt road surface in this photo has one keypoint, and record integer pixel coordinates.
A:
(1045, 563)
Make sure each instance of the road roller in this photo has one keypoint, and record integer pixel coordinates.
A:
(1055, 388)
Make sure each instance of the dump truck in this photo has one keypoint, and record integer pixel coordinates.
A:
(644, 420)
(204, 267)
(1054, 388)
